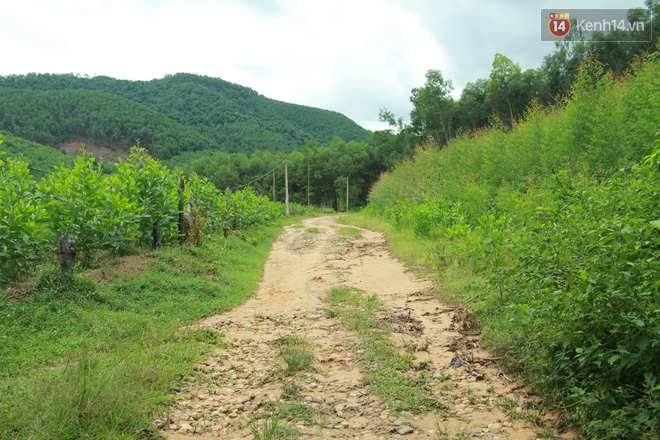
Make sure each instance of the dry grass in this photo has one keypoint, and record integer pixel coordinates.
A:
(122, 268)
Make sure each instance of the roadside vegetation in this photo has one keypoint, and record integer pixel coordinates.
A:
(95, 348)
(143, 204)
(550, 233)
(541, 217)
(101, 356)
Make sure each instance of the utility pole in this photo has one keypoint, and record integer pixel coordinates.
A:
(273, 185)
(308, 179)
(346, 193)
(286, 183)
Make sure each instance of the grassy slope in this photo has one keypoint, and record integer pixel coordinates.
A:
(551, 232)
(100, 360)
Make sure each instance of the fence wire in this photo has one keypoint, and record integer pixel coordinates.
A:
(258, 178)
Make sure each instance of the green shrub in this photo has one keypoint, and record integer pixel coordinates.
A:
(153, 188)
(24, 236)
(83, 202)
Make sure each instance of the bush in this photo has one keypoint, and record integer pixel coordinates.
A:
(140, 205)
(558, 222)
(24, 236)
(83, 202)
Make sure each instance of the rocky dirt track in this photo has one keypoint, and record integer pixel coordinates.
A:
(242, 381)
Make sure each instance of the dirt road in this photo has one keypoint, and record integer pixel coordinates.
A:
(243, 381)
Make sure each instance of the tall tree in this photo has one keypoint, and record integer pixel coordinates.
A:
(472, 111)
(561, 66)
(498, 91)
(434, 109)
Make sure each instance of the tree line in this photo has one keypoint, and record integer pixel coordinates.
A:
(317, 174)
(503, 97)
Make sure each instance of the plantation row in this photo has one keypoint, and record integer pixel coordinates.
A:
(138, 206)
(552, 233)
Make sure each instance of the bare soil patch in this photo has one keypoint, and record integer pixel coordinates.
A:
(123, 267)
(103, 153)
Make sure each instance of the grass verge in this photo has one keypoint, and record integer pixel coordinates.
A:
(101, 357)
(388, 373)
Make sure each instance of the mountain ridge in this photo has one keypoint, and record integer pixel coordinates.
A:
(232, 117)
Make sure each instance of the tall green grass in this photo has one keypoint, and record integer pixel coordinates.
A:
(100, 357)
(556, 226)
(607, 123)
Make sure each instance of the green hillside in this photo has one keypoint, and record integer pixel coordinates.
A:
(40, 157)
(61, 116)
(237, 118)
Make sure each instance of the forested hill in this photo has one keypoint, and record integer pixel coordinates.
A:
(58, 117)
(234, 117)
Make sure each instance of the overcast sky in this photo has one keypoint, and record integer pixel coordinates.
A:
(351, 56)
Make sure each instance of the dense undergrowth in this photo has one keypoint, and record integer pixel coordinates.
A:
(555, 228)
(101, 356)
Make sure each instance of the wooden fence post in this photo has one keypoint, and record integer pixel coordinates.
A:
(346, 193)
(286, 183)
(156, 236)
(227, 227)
(183, 223)
(66, 248)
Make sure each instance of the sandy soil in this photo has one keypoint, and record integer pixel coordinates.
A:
(103, 153)
(239, 382)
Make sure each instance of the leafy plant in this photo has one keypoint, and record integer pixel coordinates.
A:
(82, 202)
(24, 236)
(111, 213)
(153, 188)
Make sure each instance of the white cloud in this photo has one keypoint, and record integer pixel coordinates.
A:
(351, 56)
(348, 56)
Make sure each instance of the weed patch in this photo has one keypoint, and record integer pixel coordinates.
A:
(388, 373)
(272, 427)
(296, 353)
